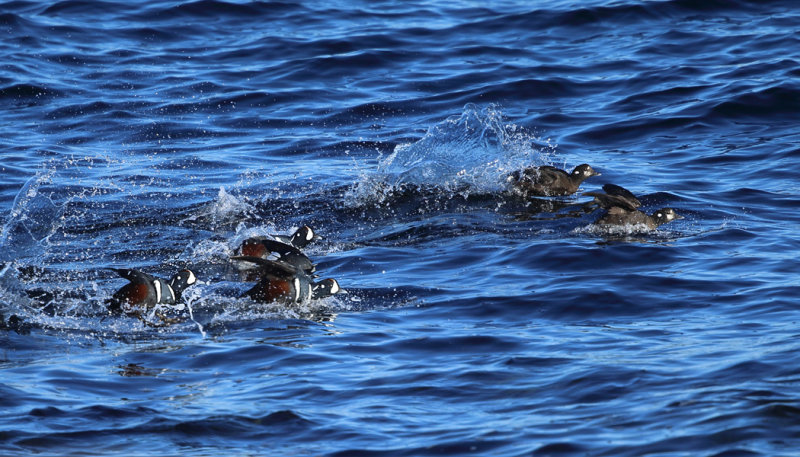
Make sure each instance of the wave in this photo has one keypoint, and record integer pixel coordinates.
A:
(28, 92)
(703, 111)
(141, 421)
(603, 14)
(770, 103)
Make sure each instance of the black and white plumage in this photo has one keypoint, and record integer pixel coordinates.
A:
(263, 247)
(146, 291)
(280, 281)
(301, 238)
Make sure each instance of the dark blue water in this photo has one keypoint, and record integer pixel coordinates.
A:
(158, 135)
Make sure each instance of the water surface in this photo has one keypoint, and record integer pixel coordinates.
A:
(160, 135)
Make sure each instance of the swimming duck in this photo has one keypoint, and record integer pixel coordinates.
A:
(301, 238)
(547, 181)
(280, 281)
(621, 209)
(146, 291)
(262, 247)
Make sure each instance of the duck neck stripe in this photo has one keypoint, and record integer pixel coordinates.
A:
(171, 298)
(157, 286)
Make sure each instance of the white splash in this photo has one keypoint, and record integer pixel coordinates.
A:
(33, 217)
(224, 207)
(473, 152)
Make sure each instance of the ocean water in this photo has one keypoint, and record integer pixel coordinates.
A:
(160, 135)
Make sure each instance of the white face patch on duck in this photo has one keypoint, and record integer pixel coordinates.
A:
(328, 286)
(191, 279)
(584, 171)
(334, 287)
(667, 215)
(309, 235)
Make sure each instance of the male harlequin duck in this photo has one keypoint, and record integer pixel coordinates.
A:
(547, 181)
(282, 282)
(621, 209)
(262, 247)
(146, 291)
(301, 238)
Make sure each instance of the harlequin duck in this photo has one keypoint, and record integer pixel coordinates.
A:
(621, 209)
(262, 247)
(282, 282)
(547, 181)
(146, 291)
(301, 238)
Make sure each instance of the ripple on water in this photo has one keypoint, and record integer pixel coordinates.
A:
(160, 135)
